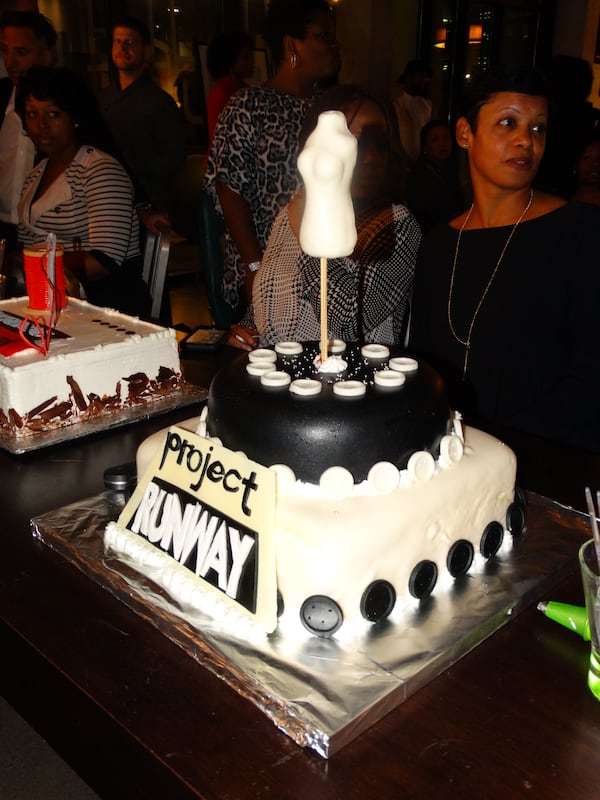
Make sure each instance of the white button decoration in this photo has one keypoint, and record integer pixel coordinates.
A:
(451, 450)
(375, 351)
(336, 482)
(306, 387)
(458, 426)
(259, 368)
(275, 378)
(383, 477)
(337, 346)
(421, 466)
(286, 479)
(201, 429)
(404, 364)
(349, 389)
(389, 378)
(288, 348)
(262, 354)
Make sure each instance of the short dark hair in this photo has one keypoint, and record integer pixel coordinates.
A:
(43, 29)
(70, 93)
(290, 18)
(134, 24)
(430, 126)
(223, 52)
(522, 79)
(571, 78)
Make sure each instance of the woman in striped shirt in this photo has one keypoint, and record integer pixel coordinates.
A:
(79, 192)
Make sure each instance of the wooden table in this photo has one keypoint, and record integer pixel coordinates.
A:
(137, 718)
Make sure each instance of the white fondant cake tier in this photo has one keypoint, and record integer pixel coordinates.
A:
(349, 551)
(99, 362)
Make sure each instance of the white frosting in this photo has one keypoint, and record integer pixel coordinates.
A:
(328, 228)
(102, 349)
(333, 365)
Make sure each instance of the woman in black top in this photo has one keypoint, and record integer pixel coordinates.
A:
(506, 296)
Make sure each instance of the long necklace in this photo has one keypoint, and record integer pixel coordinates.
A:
(466, 343)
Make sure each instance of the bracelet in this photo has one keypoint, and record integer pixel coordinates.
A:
(253, 266)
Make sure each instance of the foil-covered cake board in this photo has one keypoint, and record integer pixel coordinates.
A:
(17, 445)
(324, 692)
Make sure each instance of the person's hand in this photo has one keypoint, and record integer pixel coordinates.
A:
(241, 337)
(152, 219)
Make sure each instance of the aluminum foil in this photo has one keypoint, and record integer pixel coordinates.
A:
(325, 692)
(18, 445)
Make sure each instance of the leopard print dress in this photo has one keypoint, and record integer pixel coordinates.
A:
(254, 152)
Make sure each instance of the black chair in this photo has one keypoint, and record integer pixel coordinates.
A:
(156, 261)
(211, 229)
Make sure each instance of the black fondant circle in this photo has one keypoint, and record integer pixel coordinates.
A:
(460, 558)
(321, 615)
(312, 433)
(515, 519)
(423, 579)
(491, 539)
(378, 601)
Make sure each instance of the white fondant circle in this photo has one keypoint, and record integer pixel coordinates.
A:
(288, 348)
(375, 351)
(306, 387)
(404, 364)
(451, 449)
(275, 378)
(259, 367)
(389, 378)
(384, 477)
(421, 466)
(262, 354)
(336, 482)
(286, 479)
(349, 389)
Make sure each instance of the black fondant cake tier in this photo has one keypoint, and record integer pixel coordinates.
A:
(310, 433)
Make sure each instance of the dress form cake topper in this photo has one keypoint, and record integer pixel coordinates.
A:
(328, 227)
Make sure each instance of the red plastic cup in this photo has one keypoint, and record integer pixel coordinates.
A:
(40, 292)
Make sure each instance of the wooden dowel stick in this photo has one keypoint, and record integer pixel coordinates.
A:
(323, 309)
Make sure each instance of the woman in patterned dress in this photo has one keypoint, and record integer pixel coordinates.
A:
(252, 166)
(368, 291)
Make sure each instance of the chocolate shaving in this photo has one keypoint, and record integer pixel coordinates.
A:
(138, 382)
(77, 393)
(42, 406)
(15, 419)
(60, 410)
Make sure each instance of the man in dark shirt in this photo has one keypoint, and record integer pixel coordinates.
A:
(144, 121)
(26, 39)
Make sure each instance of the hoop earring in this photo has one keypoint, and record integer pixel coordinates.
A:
(293, 59)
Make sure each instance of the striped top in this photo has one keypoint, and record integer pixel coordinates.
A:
(89, 207)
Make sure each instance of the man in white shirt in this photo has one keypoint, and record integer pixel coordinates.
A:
(26, 39)
(413, 106)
